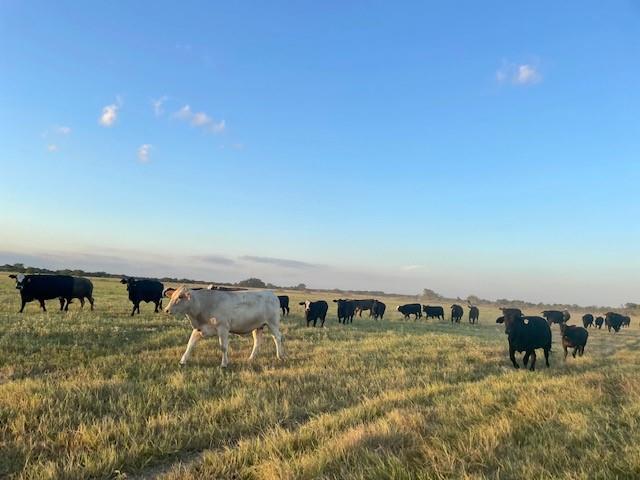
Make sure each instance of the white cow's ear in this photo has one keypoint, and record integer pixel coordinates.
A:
(168, 292)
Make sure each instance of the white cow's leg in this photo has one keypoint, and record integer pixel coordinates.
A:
(277, 338)
(257, 336)
(195, 336)
(223, 336)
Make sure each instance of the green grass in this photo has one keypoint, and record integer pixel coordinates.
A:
(100, 395)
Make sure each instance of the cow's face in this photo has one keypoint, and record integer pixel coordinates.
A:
(510, 322)
(21, 280)
(306, 304)
(180, 300)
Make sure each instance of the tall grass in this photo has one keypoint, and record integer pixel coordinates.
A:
(100, 394)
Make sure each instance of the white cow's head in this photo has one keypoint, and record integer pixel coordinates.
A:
(180, 302)
(306, 304)
(20, 280)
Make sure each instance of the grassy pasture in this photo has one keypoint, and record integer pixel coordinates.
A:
(100, 395)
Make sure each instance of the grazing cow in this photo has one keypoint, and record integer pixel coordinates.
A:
(219, 312)
(474, 314)
(555, 316)
(47, 287)
(346, 310)
(284, 304)
(377, 309)
(599, 321)
(363, 305)
(613, 320)
(587, 320)
(144, 290)
(626, 321)
(525, 334)
(456, 313)
(410, 309)
(433, 312)
(573, 337)
(314, 311)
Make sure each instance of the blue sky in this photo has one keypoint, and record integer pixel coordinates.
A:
(485, 148)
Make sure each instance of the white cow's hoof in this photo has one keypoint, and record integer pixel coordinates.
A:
(182, 364)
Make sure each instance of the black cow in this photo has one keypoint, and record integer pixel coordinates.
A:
(573, 337)
(626, 321)
(314, 311)
(456, 313)
(599, 321)
(587, 320)
(47, 287)
(433, 312)
(143, 290)
(346, 310)
(525, 334)
(363, 305)
(410, 309)
(474, 314)
(377, 309)
(613, 320)
(555, 316)
(284, 304)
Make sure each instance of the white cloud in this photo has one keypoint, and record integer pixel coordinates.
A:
(408, 268)
(218, 127)
(527, 74)
(63, 130)
(200, 120)
(158, 105)
(110, 113)
(518, 74)
(144, 152)
(52, 147)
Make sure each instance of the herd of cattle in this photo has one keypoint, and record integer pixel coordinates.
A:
(223, 310)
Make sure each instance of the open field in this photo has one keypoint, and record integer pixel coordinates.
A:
(100, 395)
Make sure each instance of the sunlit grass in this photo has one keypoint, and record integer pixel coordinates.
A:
(90, 394)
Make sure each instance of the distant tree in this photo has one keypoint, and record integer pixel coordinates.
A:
(301, 286)
(473, 300)
(252, 283)
(631, 306)
(427, 293)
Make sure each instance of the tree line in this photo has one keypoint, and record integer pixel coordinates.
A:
(253, 282)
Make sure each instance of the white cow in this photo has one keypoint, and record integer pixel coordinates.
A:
(218, 312)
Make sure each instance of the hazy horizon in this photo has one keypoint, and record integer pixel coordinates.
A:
(487, 149)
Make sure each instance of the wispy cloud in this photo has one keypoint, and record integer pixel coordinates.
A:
(409, 268)
(54, 135)
(518, 74)
(280, 262)
(214, 259)
(110, 113)
(158, 105)
(62, 130)
(144, 152)
(200, 120)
